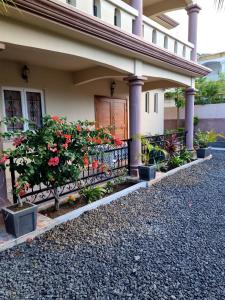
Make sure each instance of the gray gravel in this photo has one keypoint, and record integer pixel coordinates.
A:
(166, 242)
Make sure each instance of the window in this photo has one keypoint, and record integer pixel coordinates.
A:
(72, 2)
(175, 47)
(154, 36)
(23, 103)
(96, 8)
(156, 103)
(117, 17)
(147, 102)
(166, 42)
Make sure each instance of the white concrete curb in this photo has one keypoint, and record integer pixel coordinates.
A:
(217, 149)
(76, 213)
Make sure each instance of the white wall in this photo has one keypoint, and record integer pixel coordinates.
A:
(153, 123)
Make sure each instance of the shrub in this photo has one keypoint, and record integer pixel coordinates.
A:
(92, 194)
(174, 162)
(203, 138)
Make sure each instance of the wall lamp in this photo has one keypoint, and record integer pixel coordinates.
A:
(25, 73)
(113, 87)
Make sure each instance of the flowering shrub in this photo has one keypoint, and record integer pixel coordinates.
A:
(56, 153)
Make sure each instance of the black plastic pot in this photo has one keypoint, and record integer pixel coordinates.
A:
(147, 173)
(20, 222)
(203, 152)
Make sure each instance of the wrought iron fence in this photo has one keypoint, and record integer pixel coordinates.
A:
(179, 141)
(115, 158)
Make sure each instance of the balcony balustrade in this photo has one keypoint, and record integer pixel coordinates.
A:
(122, 15)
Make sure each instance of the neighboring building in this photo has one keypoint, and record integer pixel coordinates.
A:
(215, 62)
(211, 116)
(95, 60)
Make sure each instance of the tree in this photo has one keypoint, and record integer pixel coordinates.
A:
(179, 96)
(209, 91)
(54, 154)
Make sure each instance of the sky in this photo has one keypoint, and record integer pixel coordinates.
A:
(211, 29)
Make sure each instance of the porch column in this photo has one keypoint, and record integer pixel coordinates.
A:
(138, 22)
(193, 11)
(3, 189)
(189, 117)
(135, 93)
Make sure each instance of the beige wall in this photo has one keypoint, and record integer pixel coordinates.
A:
(64, 98)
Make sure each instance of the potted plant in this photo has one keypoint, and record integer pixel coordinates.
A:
(53, 155)
(147, 171)
(20, 218)
(202, 140)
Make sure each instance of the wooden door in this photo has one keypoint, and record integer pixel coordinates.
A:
(112, 112)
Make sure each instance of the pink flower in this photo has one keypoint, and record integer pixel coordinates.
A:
(65, 146)
(53, 161)
(53, 149)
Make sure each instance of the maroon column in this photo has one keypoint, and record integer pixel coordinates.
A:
(193, 11)
(135, 93)
(3, 189)
(138, 22)
(189, 117)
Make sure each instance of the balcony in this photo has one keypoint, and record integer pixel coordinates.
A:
(120, 14)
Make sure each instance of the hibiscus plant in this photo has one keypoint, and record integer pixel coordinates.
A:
(54, 154)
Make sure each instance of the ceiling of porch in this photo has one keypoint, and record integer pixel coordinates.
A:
(43, 58)
(153, 7)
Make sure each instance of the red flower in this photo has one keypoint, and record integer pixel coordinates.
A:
(3, 159)
(118, 142)
(98, 140)
(86, 161)
(18, 141)
(78, 127)
(57, 119)
(22, 193)
(95, 164)
(53, 161)
(67, 136)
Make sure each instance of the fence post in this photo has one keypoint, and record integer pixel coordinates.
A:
(128, 149)
(185, 138)
(13, 180)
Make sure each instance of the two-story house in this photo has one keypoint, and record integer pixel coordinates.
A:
(101, 60)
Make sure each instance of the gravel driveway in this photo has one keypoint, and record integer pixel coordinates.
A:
(167, 242)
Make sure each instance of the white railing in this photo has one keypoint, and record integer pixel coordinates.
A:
(122, 15)
(161, 37)
(114, 12)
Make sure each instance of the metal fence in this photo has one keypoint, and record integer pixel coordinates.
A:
(178, 139)
(115, 158)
